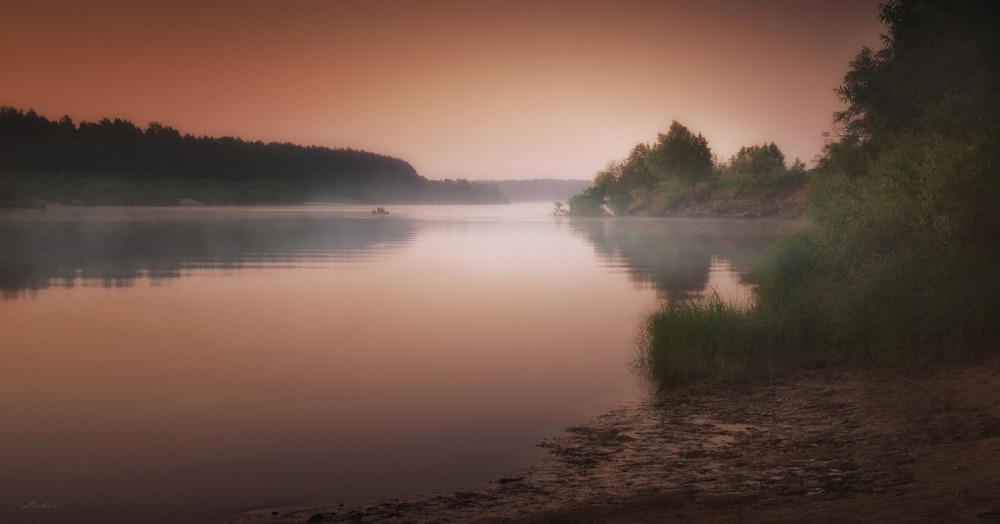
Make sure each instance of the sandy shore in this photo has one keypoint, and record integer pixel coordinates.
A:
(831, 445)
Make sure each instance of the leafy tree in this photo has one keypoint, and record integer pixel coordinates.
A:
(923, 115)
(904, 246)
(679, 159)
(934, 49)
(848, 156)
(634, 171)
(608, 183)
(758, 161)
(680, 155)
(588, 203)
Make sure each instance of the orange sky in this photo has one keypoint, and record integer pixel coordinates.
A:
(472, 89)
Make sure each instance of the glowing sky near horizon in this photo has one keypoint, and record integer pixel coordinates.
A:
(460, 89)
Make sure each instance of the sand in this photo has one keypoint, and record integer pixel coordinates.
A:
(826, 445)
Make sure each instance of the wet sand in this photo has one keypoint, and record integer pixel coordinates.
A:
(829, 445)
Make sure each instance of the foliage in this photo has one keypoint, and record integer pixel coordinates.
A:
(680, 155)
(902, 255)
(635, 171)
(848, 156)
(118, 150)
(933, 49)
(757, 161)
(679, 171)
(588, 203)
(776, 182)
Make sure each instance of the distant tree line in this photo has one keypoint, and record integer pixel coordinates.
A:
(119, 150)
(540, 189)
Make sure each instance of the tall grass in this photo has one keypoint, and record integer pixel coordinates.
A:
(693, 339)
(690, 339)
(919, 306)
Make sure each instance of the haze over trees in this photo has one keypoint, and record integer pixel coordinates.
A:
(757, 161)
(539, 189)
(94, 160)
(678, 171)
(901, 258)
(680, 155)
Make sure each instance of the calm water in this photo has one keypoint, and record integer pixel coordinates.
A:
(180, 365)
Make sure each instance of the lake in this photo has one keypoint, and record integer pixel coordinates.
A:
(184, 364)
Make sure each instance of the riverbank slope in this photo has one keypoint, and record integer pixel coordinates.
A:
(729, 202)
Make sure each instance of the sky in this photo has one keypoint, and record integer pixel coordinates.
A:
(476, 89)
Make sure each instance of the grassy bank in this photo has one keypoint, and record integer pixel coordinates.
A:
(725, 196)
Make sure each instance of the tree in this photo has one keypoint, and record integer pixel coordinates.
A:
(588, 203)
(933, 49)
(634, 172)
(922, 118)
(903, 251)
(758, 161)
(680, 155)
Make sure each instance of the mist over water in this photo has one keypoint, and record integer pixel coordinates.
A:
(115, 247)
(179, 365)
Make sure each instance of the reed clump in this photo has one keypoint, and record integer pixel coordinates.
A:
(914, 308)
(689, 339)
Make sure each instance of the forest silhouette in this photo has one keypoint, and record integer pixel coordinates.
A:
(92, 162)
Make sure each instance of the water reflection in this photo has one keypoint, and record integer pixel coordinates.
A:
(678, 256)
(275, 373)
(459, 339)
(117, 247)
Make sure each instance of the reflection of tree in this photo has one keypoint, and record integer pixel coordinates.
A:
(675, 254)
(115, 253)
